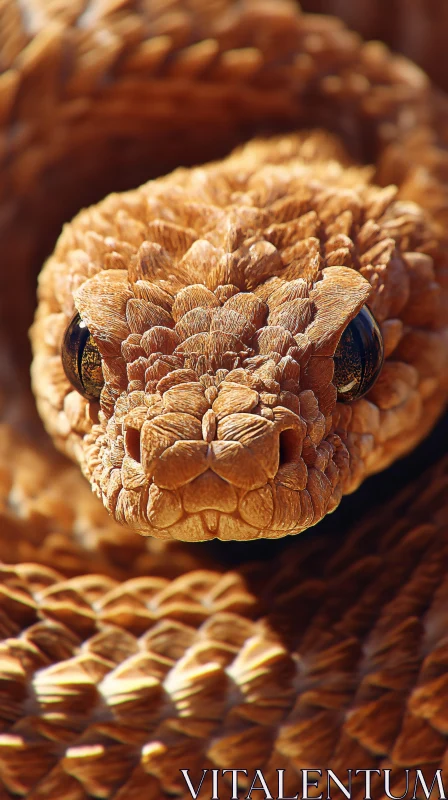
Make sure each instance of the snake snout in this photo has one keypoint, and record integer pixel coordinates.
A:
(234, 465)
(246, 450)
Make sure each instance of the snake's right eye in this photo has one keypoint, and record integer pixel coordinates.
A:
(81, 360)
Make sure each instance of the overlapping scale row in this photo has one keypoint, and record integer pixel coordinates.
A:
(108, 688)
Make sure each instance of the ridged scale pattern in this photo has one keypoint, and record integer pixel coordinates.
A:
(108, 687)
(64, 93)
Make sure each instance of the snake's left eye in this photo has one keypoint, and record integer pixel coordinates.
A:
(81, 360)
(359, 357)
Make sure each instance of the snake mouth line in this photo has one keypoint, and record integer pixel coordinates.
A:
(210, 520)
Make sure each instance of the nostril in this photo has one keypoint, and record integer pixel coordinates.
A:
(290, 446)
(132, 443)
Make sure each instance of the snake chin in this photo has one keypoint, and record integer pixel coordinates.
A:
(217, 297)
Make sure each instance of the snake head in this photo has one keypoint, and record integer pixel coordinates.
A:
(216, 300)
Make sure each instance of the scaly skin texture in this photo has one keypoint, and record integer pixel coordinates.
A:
(217, 298)
(334, 656)
(124, 658)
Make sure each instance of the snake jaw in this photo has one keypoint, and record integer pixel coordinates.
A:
(217, 300)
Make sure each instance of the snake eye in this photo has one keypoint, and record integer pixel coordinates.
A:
(359, 357)
(81, 360)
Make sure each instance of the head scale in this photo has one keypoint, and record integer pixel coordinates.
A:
(217, 297)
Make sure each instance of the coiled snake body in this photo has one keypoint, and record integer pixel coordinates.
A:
(216, 298)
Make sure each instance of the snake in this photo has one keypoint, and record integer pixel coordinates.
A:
(223, 352)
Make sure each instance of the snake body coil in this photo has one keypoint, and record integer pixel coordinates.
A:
(215, 299)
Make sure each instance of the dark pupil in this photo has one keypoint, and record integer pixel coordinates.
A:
(81, 360)
(359, 357)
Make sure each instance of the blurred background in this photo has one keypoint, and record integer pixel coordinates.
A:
(417, 28)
